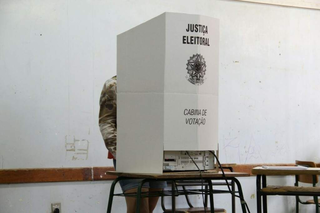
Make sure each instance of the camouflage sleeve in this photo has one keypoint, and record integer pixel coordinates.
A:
(108, 115)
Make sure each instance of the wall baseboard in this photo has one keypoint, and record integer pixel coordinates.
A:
(14, 176)
(9, 176)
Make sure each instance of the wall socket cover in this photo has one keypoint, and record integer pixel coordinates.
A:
(55, 206)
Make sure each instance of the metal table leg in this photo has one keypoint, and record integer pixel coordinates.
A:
(233, 197)
(243, 203)
(112, 194)
(173, 196)
(316, 201)
(138, 196)
(211, 196)
(206, 197)
(258, 185)
(265, 203)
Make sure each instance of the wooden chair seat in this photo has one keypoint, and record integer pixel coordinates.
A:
(287, 189)
(196, 210)
(311, 201)
(312, 180)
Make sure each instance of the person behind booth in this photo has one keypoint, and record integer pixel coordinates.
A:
(108, 128)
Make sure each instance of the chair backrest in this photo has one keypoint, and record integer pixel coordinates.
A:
(307, 178)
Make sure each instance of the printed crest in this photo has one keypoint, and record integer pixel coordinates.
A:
(196, 67)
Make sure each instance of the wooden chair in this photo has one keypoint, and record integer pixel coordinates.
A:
(310, 179)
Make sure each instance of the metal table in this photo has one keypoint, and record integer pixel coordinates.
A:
(207, 177)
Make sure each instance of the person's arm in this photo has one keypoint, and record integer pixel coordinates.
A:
(108, 115)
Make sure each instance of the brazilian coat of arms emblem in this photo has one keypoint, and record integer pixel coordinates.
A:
(196, 68)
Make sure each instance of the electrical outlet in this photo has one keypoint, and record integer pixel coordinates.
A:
(55, 207)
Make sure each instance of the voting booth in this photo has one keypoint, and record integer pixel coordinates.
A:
(167, 92)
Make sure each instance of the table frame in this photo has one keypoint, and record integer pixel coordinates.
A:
(230, 176)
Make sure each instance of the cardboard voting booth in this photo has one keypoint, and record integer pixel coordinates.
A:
(167, 92)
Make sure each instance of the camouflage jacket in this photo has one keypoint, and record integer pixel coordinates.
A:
(108, 115)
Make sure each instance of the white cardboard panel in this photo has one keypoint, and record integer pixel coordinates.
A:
(140, 133)
(153, 56)
(190, 122)
(179, 54)
(208, 134)
(141, 57)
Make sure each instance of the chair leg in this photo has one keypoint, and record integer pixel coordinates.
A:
(316, 201)
(297, 204)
